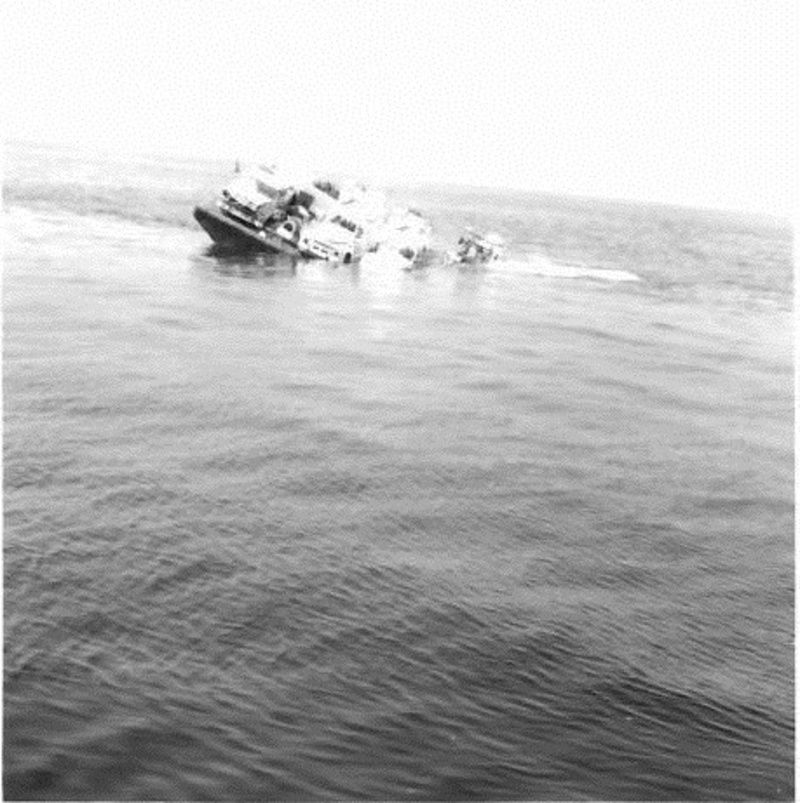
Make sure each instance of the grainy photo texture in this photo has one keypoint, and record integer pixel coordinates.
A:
(398, 400)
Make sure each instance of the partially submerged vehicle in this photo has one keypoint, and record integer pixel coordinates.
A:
(477, 249)
(264, 209)
(407, 233)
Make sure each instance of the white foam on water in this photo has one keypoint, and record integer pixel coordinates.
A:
(384, 260)
(539, 265)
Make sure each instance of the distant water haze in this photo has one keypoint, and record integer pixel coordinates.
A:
(693, 105)
(319, 531)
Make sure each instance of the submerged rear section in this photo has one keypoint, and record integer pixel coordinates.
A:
(237, 236)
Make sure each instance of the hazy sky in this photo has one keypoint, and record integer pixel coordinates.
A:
(686, 101)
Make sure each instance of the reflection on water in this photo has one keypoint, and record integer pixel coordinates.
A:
(229, 261)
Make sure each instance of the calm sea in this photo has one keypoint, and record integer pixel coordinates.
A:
(340, 532)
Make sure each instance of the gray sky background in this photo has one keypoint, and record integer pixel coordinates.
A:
(688, 101)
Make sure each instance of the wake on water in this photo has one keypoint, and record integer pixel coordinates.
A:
(37, 224)
(534, 264)
(540, 265)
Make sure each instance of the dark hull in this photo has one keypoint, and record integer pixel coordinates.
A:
(233, 235)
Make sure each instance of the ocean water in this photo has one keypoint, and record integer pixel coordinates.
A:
(301, 532)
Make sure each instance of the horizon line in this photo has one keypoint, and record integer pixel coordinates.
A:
(382, 181)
